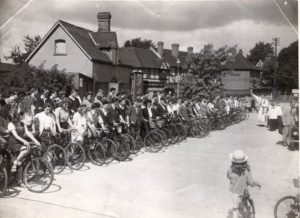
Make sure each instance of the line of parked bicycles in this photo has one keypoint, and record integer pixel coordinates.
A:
(38, 168)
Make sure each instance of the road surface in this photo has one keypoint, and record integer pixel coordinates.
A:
(186, 180)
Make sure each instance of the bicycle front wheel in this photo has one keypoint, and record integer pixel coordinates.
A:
(3, 180)
(75, 156)
(56, 155)
(38, 175)
(247, 209)
(287, 207)
(96, 154)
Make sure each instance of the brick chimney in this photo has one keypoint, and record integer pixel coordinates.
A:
(160, 49)
(103, 21)
(175, 50)
(190, 51)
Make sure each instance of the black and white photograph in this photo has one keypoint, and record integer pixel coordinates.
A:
(149, 109)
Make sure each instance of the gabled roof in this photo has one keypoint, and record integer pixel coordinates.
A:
(239, 63)
(6, 67)
(172, 61)
(139, 57)
(82, 38)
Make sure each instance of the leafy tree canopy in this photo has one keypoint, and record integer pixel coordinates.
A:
(287, 76)
(260, 51)
(24, 77)
(205, 81)
(139, 43)
(19, 55)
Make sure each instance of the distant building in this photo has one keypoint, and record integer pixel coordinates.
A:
(97, 61)
(5, 69)
(237, 75)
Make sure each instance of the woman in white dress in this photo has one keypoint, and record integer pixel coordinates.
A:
(263, 109)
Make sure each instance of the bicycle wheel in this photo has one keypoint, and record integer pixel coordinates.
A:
(3, 180)
(247, 209)
(287, 207)
(133, 148)
(38, 175)
(153, 141)
(75, 156)
(56, 155)
(182, 130)
(123, 148)
(110, 149)
(220, 124)
(96, 154)
(139, 143)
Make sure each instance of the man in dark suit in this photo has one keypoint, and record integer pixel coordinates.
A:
(135, 117)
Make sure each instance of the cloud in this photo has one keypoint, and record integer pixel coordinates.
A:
(194, 23)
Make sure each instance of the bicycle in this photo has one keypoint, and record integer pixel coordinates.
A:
(247, 207)
(35, 171)
(288, 206)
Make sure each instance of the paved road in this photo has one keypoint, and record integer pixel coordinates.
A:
(184, 181)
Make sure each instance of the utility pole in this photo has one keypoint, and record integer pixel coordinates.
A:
(276, 42)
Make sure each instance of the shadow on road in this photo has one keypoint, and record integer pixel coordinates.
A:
(229, 214)
(11, 192)
(53, 188)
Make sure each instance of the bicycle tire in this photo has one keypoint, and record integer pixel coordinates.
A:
(132, 145)
(139, 143)
(123, 148)
(221, 125)
(3, 180)
(182, 131)
(153, 142)
(293, 211)
(38, 166)
(247, 209)
(110, 149)
(75, 156)
(175, 133)
(57, 158)
(96, 154)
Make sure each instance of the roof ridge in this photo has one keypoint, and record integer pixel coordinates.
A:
(76, 26)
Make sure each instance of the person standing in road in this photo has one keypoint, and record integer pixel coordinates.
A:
(263, 109)
(239, 175)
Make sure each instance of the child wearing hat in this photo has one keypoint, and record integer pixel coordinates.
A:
(240, 177)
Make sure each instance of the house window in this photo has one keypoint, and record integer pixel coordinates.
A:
(60, 47)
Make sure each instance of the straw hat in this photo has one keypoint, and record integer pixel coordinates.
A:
(238, 156)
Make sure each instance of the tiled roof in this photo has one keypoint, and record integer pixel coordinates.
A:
(105, 39)
(239, 63)
(81, 35)
(139, 57)
(172, 61)
(6, 67)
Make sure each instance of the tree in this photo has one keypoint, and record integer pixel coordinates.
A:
(24, 77)
(17, 55)
(287, 76)
(205, 81)
(139, 43)
(260, 51)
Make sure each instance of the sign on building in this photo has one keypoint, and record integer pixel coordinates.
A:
(236, 81)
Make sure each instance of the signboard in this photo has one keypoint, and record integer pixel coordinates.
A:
(236, 80)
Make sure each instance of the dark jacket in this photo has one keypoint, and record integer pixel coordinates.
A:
(135, 115)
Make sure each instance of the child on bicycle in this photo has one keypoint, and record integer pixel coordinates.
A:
(240, 177)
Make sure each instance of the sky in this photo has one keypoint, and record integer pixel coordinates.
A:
(188, 23)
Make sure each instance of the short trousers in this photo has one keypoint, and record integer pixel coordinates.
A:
(236, 200)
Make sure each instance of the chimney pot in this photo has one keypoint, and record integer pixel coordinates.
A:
(104, 21)
(160, 49)
(175, 50)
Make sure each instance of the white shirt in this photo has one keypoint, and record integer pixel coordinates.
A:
(150, 112)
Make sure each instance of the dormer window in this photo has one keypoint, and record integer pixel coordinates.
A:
(60, 47)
